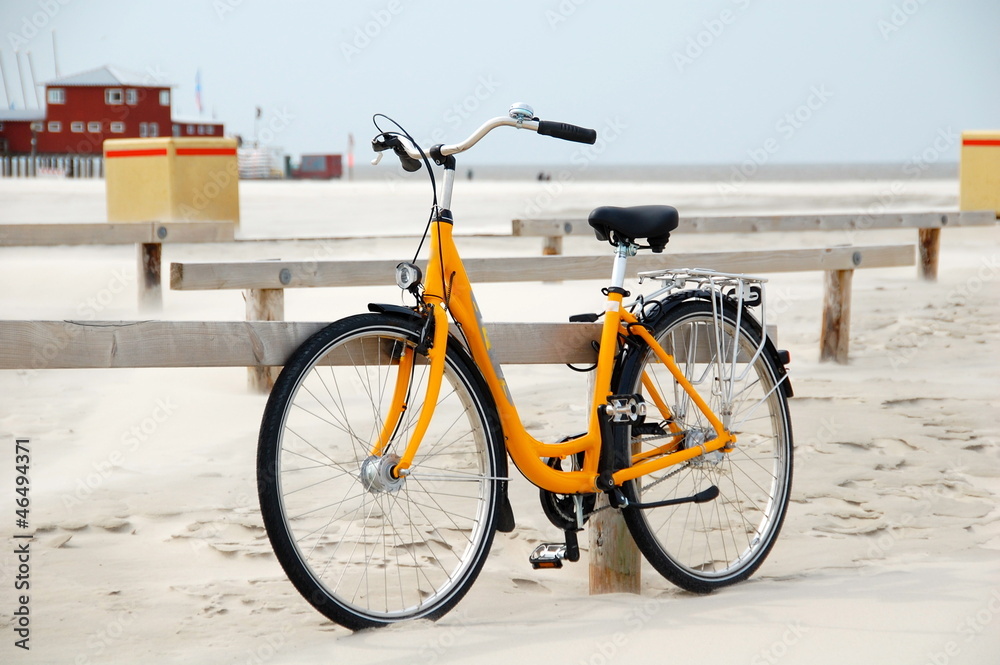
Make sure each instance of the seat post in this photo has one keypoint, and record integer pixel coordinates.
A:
(623, 250)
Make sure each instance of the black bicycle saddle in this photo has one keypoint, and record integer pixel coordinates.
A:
(654, 223)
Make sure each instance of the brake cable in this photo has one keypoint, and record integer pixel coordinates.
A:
(430, 173)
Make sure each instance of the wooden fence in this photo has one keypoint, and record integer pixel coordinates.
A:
(148, 238)
(927, 224)
(263, 282)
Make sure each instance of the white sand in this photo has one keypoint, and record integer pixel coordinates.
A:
(150, 547)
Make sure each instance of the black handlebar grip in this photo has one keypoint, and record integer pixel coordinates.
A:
(409, 164)
(567, 132)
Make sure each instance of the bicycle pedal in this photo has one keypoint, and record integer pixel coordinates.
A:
(548, 555)
(626, 409)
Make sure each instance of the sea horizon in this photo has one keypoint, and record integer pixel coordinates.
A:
(689, 172)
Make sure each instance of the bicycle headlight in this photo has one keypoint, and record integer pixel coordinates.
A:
(408, 276)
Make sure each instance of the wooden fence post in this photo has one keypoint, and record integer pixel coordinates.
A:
(836, 328)
(929, 245)
(614, 559)
(615, 563)
(264, 305)
(150, 283)
(552, 246)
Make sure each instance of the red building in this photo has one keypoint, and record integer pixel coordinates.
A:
(16, 129)
(319, 167)
(83, 109)
(196, 128)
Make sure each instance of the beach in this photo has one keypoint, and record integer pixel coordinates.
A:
(149, 545)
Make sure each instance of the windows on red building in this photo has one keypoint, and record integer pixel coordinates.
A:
(93, 105)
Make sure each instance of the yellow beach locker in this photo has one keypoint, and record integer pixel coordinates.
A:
(980, 171)
(171, 180)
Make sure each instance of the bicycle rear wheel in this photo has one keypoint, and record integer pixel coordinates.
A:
(364, 548)
(700, 547)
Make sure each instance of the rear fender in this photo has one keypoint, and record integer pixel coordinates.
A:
(656, 313)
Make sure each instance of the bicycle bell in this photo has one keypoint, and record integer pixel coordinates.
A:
(521, 111)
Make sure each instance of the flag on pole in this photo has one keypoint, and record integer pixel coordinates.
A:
(350, 156)
(197, 90)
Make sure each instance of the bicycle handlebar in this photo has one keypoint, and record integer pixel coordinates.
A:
(411, 157)
(567, 132)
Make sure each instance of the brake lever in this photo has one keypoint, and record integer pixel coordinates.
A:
(381, 143)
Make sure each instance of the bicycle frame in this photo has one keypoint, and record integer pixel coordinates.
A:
(447, 290)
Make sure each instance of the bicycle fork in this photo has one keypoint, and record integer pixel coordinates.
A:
(436, 354)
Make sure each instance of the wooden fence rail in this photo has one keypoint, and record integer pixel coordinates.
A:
(36, 345)
(148, 238)
(297, 274)
(264, 282)
(927, 224)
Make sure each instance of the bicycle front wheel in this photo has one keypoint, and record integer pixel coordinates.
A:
(363, 547)
(700, 547)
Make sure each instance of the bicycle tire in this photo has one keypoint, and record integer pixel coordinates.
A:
(370, 553)
(701, 547)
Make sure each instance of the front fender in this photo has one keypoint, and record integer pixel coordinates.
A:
(407, 312)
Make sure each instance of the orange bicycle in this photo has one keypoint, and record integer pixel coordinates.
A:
(382, 472)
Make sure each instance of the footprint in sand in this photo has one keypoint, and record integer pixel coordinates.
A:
(115, 524)
(529, 585)
(58, 541)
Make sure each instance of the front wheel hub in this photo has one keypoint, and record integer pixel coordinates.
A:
(376, 474)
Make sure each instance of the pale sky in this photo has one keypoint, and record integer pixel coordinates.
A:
(668, 82)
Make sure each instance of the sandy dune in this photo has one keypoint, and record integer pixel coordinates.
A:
(149, 546)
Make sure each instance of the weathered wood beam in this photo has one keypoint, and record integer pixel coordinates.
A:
(930, 249)
(292, 274)
(835, 331)
(149, 259)
(114, 233)
(35, 345)
(264, 305)
(765, 223)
